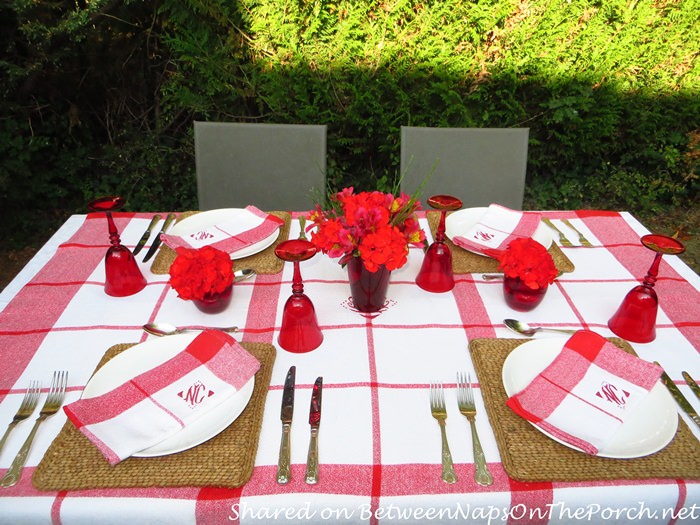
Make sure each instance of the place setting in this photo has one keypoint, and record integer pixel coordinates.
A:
(476, 235)
(248, 235)
(575, 406)
(182, 409)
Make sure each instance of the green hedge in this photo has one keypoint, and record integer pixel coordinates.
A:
(100, 99)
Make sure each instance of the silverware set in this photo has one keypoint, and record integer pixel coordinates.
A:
(467, 407)
(156, 242)
(54, 400)
(287, 411)
(563, 240)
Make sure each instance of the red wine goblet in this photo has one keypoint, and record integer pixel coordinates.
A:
(300, 331)
(435, 274)
(122, 274)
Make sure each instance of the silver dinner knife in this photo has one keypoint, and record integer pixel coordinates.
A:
(679, 397)
(314, 422)
(146, 234)
(156, 242)
(692, 384)
(283, 464)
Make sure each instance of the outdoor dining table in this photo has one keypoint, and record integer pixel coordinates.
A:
(379, 447)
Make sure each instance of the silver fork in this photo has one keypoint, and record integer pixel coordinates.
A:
(465, 401)
(54, 400)
(26, 408)
(439, 412)
(562, 238)
(581, 238)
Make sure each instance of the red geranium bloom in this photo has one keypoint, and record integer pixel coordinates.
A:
(373, 225)
(528, 260)
(197, 273)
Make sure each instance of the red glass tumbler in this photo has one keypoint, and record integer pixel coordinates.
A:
(521, 297)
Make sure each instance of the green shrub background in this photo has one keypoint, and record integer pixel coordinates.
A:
(99, 97)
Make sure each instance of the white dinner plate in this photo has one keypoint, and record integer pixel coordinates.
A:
(149, 354)
(459, 222)
(205, 219)
(648, 429)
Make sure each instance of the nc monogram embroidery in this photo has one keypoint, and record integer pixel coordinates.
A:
(483, 236)
(613, 394)
(195, 394)
(201, 236)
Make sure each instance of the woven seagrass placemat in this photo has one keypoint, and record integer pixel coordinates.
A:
(464, 261)
(529, 455)
(264, 262)
(227, 460)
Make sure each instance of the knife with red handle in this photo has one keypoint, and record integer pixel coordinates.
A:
(314, 422)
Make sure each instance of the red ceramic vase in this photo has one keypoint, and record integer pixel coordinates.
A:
(215, 303)
(368, 289)
(521, 297)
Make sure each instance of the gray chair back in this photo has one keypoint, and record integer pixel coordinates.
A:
(480, 166)
(271, 166)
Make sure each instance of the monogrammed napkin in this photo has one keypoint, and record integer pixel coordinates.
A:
(496, 229)
(161, 401)
(229, 235)
(587, 392)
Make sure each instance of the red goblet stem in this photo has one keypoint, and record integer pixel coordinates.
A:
(297, 283)
(440, 234)
(650, 278)
(113, 233)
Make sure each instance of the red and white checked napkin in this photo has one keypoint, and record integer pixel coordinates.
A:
(587, 392)
(228, 236)
(161, 401)
(496, 229)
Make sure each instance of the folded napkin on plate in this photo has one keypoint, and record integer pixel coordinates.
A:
(496, 229)
(230, 235)
(159, 402)
(587, 392)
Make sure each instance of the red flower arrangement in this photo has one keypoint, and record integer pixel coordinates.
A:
(200, 273)
(529, 261)
(375, 226)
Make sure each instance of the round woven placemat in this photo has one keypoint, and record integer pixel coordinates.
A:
(529, 455)
(227, 460)
(264, 262)
(464, 261)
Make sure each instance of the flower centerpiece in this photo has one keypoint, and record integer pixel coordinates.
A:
(370, 231)
(203, 275)
(528, 270)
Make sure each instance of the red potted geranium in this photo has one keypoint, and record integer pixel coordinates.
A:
(528, 270)
(370, 231)
(203, 275)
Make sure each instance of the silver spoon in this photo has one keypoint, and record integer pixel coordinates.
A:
(161, 329)
(242, 275)
(525, 329)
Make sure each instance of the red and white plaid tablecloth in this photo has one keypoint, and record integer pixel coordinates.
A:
(379, 446)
